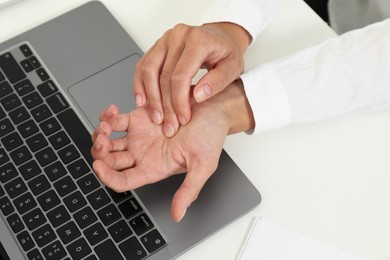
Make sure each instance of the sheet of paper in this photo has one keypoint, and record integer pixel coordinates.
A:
(269, 241)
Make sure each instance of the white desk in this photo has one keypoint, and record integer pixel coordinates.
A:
(328, 180)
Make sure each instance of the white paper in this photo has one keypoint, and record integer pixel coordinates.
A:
(269, 241)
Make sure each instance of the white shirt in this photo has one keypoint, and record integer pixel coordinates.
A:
(348, 74)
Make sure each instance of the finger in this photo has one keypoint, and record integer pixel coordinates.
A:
(190, 189)
(103, 129)
(218, 78)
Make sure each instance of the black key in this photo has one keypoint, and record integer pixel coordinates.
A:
(141, 224)
(3, 156)
(25, 240)
(28, 128)
(7, 172)
(75, 201)
(59, 140)
(42, 74)
(44, 235)
(118, 197)
(6, 127)
(15, 223)
(24, 87)
(58, 216)
(78, 133)
(107, 250)
(25, 50)
(30, 170)
(6, 206)
(79, 249)
(36, 142)
(32, 100)
(48, 200)
(65, 186)
(78, 168)
(41, 112)
(15, 187)
(26, 65)
(153, 241)
(85, 217)
(57, 102)
(68, 154)
(98, 199)
(19, 115)
(34, 219)
(21, 155)
(120, 231)
(46, 156)
(68, 232)
(109, 214)
(10, 102)
(39, 185)
(11, 68)
(5, 88)
(130, 208)
(55, 171)
(132, 249)
(88, 183)
(25, 203)
(54, 251)
(34, 255)
(50, 126)
(34, 62)
(95, 234)
(12, 141)
(47, 88)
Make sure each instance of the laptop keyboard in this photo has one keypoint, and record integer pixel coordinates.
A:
(49, 195)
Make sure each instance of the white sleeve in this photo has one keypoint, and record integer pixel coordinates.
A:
(348, 74)
(252, 15)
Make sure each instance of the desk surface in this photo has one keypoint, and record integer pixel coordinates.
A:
(328, 180)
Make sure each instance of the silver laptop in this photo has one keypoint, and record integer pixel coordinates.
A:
(54, 81)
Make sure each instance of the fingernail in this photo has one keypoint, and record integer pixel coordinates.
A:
(182, 216)
(202, 93)
(108, 112)
(156, 117)
(98, 144)
(139, 101)
(182, 119)
(169, 130)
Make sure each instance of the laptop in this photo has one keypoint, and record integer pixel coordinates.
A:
(54, 81)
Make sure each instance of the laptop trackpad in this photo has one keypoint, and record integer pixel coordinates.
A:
(113, 85)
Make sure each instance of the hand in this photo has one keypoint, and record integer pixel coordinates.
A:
(164, 74)
(146, 156)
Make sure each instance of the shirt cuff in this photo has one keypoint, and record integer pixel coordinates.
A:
(267, 98)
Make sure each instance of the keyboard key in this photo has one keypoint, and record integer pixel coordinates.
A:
(107, 250)
(46, 156)
(6, 206)
(28, 128)
(15, 187)
(15, 223)
(54, 251)
(36, 142)
(30, 170)
(41, 112)
(119, 231)
(25, 50)
(79, 249)
(109, 215)
(141, 224)
(25, 240)
(3, 156)
(10, 102)
(34, 62)
(34, 219)
(6, 127)
(44, 235)
(88, 183)
(24, 87)
(12, 141)
(55, 171)
(65, 186)
(98, 199)
(59, 140)
(130, 208)
(7, 172)
(118, 197)
(48, 200)
(5, 88)
(47, 88)
(39, 185)
(32, 100)
(21, 155)
(58, 216)
(68, 154)
(75, 201)
(68, 232)
(26, 65)
(95, 234)
(19, 115)
(25, 203)
(34, 255)
(57, 102)
(50, 126)
(78, 168)
(132, 249)
(153, 241)
(11, 68)
(85, 217)
(42, 74)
